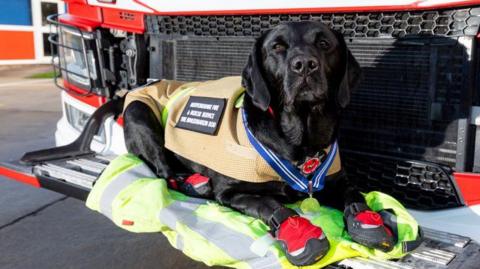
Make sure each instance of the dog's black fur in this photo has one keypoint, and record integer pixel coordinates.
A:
(305, 73)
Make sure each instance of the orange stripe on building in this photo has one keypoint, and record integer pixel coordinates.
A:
(16, 45)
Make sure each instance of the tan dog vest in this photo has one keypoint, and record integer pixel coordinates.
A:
(229, 152)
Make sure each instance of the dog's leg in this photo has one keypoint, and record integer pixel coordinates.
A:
(303, 242)
(144, 138)
(257, 206)
(337, 193)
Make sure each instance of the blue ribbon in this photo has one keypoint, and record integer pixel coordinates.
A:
(286, 170)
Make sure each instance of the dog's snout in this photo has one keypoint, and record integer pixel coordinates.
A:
(303, 65)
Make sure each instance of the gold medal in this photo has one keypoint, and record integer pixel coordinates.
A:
(310, 205)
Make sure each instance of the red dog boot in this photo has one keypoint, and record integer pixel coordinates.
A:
(194, 185)
(303, 242)
(366, 227)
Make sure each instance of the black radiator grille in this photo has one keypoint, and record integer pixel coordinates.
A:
(210, 59)
(401, 109)
(405, 110)
(398, 87)
(386, 24)
(418, 185)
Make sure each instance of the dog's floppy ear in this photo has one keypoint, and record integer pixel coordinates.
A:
(351, 77)
(253, 78)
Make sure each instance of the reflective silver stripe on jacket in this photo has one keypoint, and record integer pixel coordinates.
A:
(235, 244)
(121, 182)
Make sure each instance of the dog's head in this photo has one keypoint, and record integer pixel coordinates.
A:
(300, 63)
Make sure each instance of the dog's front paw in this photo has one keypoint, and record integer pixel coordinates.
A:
(303, 242)
(195, 185)
(367, 227)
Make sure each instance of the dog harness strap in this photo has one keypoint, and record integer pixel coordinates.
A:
(280, 215)
(355, 208)
(408, 246)
(289, 172)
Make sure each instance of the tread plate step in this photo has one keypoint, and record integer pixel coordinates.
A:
(439, 250)
(82, 171)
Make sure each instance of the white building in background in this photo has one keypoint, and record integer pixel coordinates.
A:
(24, 30)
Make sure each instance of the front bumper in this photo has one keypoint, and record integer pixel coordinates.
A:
(461, 220)
(114, 141)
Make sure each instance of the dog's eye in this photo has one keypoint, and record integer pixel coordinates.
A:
(278, 47)
(324, 44)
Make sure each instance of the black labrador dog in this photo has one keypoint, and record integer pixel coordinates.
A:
(298, 80)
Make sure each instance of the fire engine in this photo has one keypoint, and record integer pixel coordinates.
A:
(411, 130)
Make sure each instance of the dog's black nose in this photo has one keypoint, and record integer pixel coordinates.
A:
(303, 65)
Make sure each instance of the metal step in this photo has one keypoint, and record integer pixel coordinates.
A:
(88, 165)
(66, 174)
(362, 263)
(82, 171)
(457, 240)
(440, 250)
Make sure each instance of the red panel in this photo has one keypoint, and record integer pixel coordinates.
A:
(92, 99)
(414, 6)
(469, 184)
(80, 15)
(85, 11)
(124, 20)
(16, 45)
(76, 1)
(21, 177)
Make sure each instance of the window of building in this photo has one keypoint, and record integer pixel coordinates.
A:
(48, 8)
(46, 46)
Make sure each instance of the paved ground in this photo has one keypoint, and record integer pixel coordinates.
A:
(41, 229)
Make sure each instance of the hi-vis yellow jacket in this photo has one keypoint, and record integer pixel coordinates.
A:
(229, 151)
(130, 195)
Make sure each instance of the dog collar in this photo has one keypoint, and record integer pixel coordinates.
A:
(291, 174)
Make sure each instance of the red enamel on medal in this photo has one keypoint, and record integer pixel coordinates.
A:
(310, 166)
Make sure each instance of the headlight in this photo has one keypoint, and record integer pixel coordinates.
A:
(73, 59)
(78, 119)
